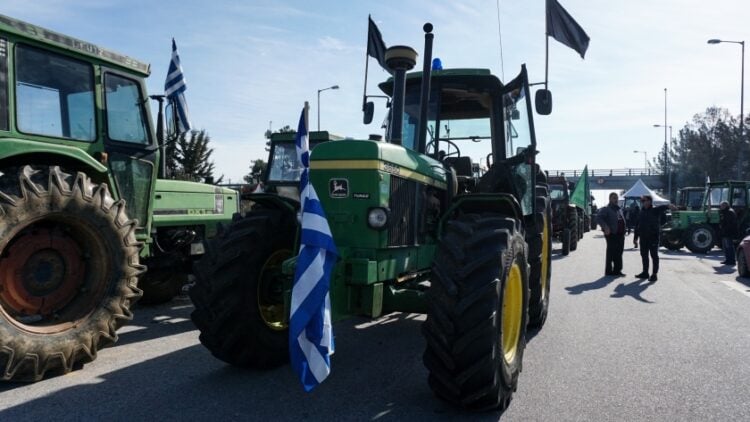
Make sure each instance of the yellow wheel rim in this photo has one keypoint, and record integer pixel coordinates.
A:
(544, 276)
(271, 292)
(512, 313)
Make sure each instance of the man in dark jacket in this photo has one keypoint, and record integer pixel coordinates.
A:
(647, 229)
(728, 231)
(612, 221)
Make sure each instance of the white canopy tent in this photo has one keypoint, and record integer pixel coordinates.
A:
(639, 189)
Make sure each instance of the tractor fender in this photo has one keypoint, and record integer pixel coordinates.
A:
(502, 203)
(18, 151)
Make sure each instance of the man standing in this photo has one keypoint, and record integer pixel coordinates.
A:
(728, 231)
(612, 221)
(647, 229)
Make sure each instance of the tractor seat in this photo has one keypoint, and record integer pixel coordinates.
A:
(461, 165)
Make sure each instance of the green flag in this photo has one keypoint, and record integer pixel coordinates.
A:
(581, 195)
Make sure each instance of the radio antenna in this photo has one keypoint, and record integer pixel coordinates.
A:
(500, 38)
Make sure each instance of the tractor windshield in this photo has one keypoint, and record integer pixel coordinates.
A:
(717, 195)
(556, 192)
(284, 166)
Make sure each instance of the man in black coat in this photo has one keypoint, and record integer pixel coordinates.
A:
(728, 231)
(647, 229)
(612, 222)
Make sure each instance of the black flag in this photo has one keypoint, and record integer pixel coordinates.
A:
(562, 27)
(375, 45)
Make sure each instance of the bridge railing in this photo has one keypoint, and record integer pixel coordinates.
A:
(607, 172)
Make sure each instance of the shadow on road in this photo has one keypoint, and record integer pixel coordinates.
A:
(377, 374)
(600, 283)
(634, 290)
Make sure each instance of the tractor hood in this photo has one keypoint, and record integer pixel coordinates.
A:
(181, 186)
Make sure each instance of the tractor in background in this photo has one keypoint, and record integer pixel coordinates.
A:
(567, 218)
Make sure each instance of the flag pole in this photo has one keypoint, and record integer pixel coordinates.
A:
(307, 122)
(367, 65)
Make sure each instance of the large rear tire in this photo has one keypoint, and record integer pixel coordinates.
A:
(540, 259)
(700, 238)
(160, 286)
(239, 294)
(477, 310)
(566, 237)
(573, 226)
(68, 270)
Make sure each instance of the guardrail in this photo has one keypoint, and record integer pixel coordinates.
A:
(607, 172)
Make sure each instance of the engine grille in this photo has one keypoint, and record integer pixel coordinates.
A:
(402, 201)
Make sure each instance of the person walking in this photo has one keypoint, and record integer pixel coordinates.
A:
(647, 229)
(728, 231)
(612, 222)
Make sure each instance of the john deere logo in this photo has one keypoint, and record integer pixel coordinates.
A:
(338, 188)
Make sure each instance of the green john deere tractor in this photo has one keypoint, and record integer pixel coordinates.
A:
(698, 230)
(417, 230)
(78, 168)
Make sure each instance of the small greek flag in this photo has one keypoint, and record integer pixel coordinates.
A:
(174, 90)
(310, 331)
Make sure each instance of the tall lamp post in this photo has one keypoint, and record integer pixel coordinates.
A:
(319, 91)
(645, 158)
(667, 164)
(742, 102)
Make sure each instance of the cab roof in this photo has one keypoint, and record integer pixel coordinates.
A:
(46, 36)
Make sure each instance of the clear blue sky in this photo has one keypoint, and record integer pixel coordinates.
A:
(254, 62)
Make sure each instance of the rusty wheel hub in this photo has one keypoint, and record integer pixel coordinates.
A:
(41, 272)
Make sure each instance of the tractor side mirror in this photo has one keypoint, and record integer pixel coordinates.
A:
(170, 120)
(543, 101)
(369, 110)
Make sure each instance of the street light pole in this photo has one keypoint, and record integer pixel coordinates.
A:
(319, 91)
(645, 158)
(742, 103)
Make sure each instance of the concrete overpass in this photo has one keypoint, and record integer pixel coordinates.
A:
(616, 178)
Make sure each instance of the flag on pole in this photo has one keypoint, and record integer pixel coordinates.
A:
(581, 195)
(562, 27)
(375, 44)
(174, 90)
(310, 330)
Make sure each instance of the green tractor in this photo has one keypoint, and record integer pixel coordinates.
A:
(78, 169)
(697, 230)
(417, 230)
(568, 222)
(690, 198)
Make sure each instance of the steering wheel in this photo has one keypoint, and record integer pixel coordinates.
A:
(457, 151)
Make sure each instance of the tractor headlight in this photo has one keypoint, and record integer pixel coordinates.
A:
(377, 218)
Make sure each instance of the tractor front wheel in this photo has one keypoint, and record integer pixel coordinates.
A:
(239, 293)
(573, 226)
(477, 312)
(700, 238)
(68, 270)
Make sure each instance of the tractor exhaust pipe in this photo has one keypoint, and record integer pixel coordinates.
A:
(399, 59)
(424, 99)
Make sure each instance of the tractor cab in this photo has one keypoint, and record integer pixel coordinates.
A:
(473, 121)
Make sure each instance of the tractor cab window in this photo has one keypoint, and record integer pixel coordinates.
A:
(284, 165)
(717, 195)
(54, 95)
(3, 84)
(125, 113)
(556, 192)
(517, 130)
(739, 198)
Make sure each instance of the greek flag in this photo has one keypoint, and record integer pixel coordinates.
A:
(310, 331)
(174, 90)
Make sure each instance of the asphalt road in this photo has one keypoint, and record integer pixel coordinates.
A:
(612, 349)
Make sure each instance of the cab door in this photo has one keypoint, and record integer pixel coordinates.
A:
(520, 139)
(130, 144)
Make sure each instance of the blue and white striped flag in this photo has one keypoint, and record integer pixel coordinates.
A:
(310, 331)
(174, 90)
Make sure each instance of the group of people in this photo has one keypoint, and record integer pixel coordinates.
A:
(647, 224)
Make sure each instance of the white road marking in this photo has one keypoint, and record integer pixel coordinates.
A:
(745, 290)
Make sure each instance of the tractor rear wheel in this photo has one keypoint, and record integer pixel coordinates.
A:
(68, 270)
(565, 241)
(477, 312)
(239, 293)
(700, 238)
(540, 259)
(573, 226)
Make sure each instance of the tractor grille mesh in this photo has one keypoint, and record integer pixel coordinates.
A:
(402, 201)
